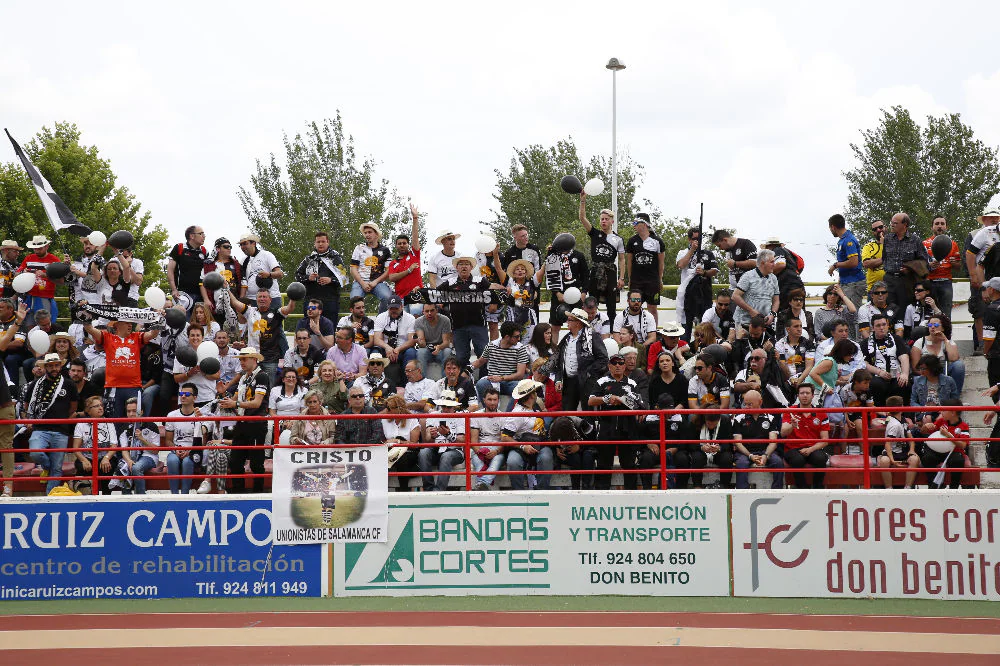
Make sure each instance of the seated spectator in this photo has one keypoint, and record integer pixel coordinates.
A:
(888, 360)
(569, 433)
(459, 384)
(331, 385)
(668, 379)
(626, 337)
(180, 437)
(506, 362)
(950, 426)
(715, 435)
(637, 373)
(434, 337)
(359, 431)
(150, 372)
(919, 312)
(138, 442)
(839, 330)
(446, 432)
(524, 437)
(826, 374)
(320, 329)
(794, 352)
(760, 453)
(938, 343)
(83, 444)
(806, 432)
(796, 310)
(488, 454)
(756, 336)
(640, 319)
(394, 330)
(541, 346)
(702, 336)
(359, 323)
(668, 338)
(287, 398)
(376, 384)
(303, 356)
(720, 316)
(419, 392)
(312, 432)
(401, 430)
(709, 388)
(856, 393)
(931, 387)
(879, 305)
(350, 358)
(616, 392)
(835, 306)
(215, 458)
(896, 452)
(678, 455)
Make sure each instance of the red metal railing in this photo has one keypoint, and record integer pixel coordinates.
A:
(663, 470)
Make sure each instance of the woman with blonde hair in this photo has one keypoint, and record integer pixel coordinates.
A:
(313, 432)
(329, 381)
(401, 432)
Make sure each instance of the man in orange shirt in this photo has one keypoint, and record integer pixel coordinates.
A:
(941, 271)
(122, 374)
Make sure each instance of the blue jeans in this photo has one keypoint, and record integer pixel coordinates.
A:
(38, 442)
(428, 458)
(425, 358)
(496, 464)
(121, 395)
(774, 461)
(506, 387)
(149, 397)
(382, 292)
(178, 465)
(518, 461)
(36, 303)
(477, 336)
(956, 370)
(139, 468)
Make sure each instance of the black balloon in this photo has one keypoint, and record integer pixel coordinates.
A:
(296, 291)
(121, 240)
(57, 270)
(571, 185)
(563, 243)
(176, 317)
(941, 247)
(920, 331)
(187, 356)
(213, 281)
(264, 282)
(718, 352)
(210, 365)
(97, 378)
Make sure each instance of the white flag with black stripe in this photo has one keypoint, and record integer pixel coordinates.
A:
(59, 215)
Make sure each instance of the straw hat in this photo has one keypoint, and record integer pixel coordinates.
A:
(249, 352)
(444, 234)
(525, 387)
(471, 260)
(37, 242)
(580, 315)
(372, 226)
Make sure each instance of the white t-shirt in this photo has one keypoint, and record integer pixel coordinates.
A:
(489, 427)
(139, 268)
(210, 330)
(441, 266)
(391, 329)
(152, 435)
(184, 431)
(206, 386)
(599, 323)
(262, 262)
(392, 429)
(106, 436)
(86, 287)
(643, 323)
(285, 405)
(425, 389)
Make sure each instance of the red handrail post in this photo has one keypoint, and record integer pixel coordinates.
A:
(95, 459)
(865, 451)
(663, 451)
(468, 452)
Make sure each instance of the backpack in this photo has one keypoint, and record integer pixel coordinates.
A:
(800, 264)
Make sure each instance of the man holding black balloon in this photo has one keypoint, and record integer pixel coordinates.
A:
(123, 374)
(941, 274)
(607, 252)
(265, 328)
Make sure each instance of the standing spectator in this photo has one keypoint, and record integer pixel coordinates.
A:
(419, 391)
(580, 360)
(721, 315)
(320, 329)
(123, 365)
(742, 254)
(523, 285)
(642, 322)
(888, 360)
(540, 346)
(404, 271)
(786, 268)
(135, 268)
(942, 272)
(871, 255)
(896, 451)
(445, 432)
(77, 373)
(368, 264)
(902, 246)
(808, 431)
(563, 270)
(757, 292)
(221, 261)
(115, 286)
(87, 273)
(982, 263)
(10, 260)
(607, 256)
(394, 334)
(669, 338)
(150, 372)
(185, 263)
(521, 249)
(376, 384)
(250, 400)
(524, 437)
(303, 357)
(991, 324)
(506, 362)
(434, 337)
(43, 295)
(644, 265)
(616, 392)
(357, 320)
(181, 437)
(468, 320)
(698, 268)
(764, 451)
(320, 272)
(7, 416)
(441, 265)
(264, 328)
(348, 357)
(51, 396)
(261, 270)
(201, 315)
(459, 384)
(848, 263)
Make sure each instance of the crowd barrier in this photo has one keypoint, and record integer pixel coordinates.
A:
(851, 469)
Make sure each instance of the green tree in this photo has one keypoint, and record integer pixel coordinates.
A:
(324, 186)
(939, 169)
(87, 184)
(529, 193)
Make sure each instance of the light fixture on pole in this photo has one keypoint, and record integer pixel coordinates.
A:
(614, 65)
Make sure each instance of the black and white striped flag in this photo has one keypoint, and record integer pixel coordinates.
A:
(61, 217)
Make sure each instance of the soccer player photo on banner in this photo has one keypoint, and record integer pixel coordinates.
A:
(329, 495)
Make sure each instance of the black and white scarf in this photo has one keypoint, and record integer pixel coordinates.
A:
(90, 311)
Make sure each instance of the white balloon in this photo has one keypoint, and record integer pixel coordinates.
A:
(97, 238)
(612, 346)
(594, 187)
(155, 298)
(285, 438)
(485, 244)
(23, 283)
(571, 296)
(936, 442)
(39, 341)
(207, 349)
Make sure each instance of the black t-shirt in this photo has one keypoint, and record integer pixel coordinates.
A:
(755, 426)
(467, 314)
(269, 326)
(616, 427)
(788, 279)
(645, 259)
(678, 389)
(530, 253)
(464, 390)
(991, 325)
(306, 365)
(259, 384)
(602, 251)
(742, 250)
(378, 390)
(60, 408)
(189, 265)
